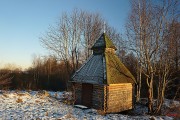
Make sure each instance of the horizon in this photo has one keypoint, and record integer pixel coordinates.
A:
(23, 22)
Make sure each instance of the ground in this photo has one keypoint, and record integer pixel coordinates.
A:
(47, 105)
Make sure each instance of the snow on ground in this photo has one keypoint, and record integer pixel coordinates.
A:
(39, 105)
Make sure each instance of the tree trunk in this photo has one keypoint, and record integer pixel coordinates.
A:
(138, 91)
(150, 94)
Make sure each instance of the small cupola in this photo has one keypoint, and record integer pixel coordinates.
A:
(103, 44)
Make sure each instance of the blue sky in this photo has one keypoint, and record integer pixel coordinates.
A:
(22, 22)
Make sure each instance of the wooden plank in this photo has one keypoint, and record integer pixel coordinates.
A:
(119, 97)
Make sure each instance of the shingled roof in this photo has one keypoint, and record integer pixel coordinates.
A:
(104, 67)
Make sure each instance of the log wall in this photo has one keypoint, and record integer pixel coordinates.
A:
(98, 97)
(78, 93)
(110, 98)
(119, 97)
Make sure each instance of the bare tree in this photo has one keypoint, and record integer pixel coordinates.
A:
(73, 36)
(5, 80)
(58, 40)
(36, 64)
(173, 42)
(92, 29)
(147, 30)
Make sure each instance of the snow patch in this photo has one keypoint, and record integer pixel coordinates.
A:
(81, 106)
(45, 105)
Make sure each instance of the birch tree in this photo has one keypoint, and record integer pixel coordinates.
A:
(147, 30)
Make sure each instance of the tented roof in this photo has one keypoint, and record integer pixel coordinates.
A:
(104, 68)
(103, 42)
(92, 71)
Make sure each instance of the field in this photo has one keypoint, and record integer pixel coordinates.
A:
(47, 105)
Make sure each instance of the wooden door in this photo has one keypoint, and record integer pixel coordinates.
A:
(87, 91)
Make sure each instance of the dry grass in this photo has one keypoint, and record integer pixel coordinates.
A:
(101, 112)
(46, 94)
(20, 94)
(23, 94)
(37, 101)
(173, 111)
(43, 94)
(19, 100)
(55, 95)
(5, 95)
(70, 116)
(46, 113)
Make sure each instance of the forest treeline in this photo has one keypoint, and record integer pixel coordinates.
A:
(150, 50)
(45, 74)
